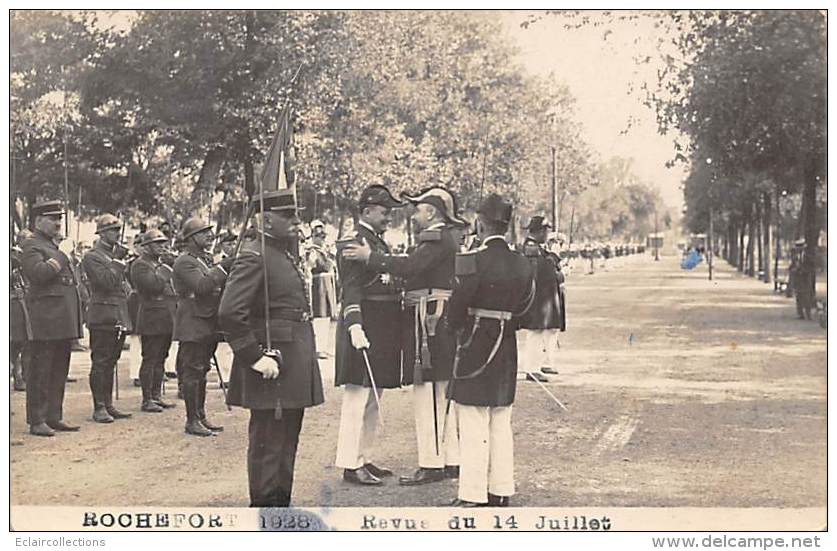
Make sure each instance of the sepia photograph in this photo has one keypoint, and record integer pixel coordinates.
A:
(418, 270)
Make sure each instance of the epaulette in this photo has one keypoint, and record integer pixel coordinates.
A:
(466, 263)
(430, 235)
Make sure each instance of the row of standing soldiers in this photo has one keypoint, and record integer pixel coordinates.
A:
(441, 321)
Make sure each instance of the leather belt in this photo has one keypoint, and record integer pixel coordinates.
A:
(289, 314)
(425, 324)
(492, 314)
(383, 298)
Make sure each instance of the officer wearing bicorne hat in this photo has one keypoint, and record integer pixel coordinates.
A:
(429, 347)
(495, 287)
(152, 275)
(539, 328)
(107, 314)
(54, 309)
(368, 329)
(198, 285)
(275, 373)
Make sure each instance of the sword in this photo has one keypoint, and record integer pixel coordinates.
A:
(435, 417)
(374, 387)
(121, 333)
(221, 378)
(543, 386)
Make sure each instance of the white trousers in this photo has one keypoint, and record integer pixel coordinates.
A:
(358, 425)
(324, 334)
(134, 356)
(487, 452)
(537, 348)
(448, 451)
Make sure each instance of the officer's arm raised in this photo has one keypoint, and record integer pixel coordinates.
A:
(146, 279)
(427, 254)
(203, 284)
(36, 267)
(103, 272)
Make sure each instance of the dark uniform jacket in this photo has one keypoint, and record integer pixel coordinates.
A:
(20, 329)
(52, 300)
(547, 309)
(157, 299)
(372, 300)
(430, 266)
(493, 277)
(108, 289)
(198, 287)
(242, 318)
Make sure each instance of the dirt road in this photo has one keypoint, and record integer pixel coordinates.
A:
(681, 392)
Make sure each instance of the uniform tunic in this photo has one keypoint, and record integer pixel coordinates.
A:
(198, 289)
(431, 265)
(546, 311)
(372, 300)
(493, 277)
(242, 318)
(53, 298)
(108, 287)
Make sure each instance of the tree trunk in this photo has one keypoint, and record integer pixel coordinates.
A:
(767, 206)
(741, 232)
(811, 227)
(759, 251)
(751, 242)
(733, 243)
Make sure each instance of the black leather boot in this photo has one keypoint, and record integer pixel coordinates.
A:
(156, 389)
(145, 383)
(202, 409)
(107, 384)
(100, 412)
(193, 424)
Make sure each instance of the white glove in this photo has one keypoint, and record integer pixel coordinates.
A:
(267, 366)
(358, 337)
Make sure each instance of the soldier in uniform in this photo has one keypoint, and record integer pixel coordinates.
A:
(539, 328)
(107, 315)
(151, 275)
(275, 390)
(20, 329)
(428, 346)
(320, 263)
(368, 328)
(55, 314)
(198, 285)
(495, 287)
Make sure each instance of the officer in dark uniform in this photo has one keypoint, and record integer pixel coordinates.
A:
(107, 315)
(538, 335)
(428, 346)
(151, 275)
(55, 314)
(20, 329)
(198, 285)
(369, 326)
(275, 392)
(495, 287)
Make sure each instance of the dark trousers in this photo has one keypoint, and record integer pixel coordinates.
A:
(105, 350)
(155, 350)
(20, 356)
(195, 358)
(271, 453)
(45, 380)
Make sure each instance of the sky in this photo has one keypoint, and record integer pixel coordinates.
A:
(599, 73)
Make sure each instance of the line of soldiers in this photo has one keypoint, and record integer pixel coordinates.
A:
(439, 318)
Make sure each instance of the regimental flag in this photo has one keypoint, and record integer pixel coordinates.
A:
(277, 171)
